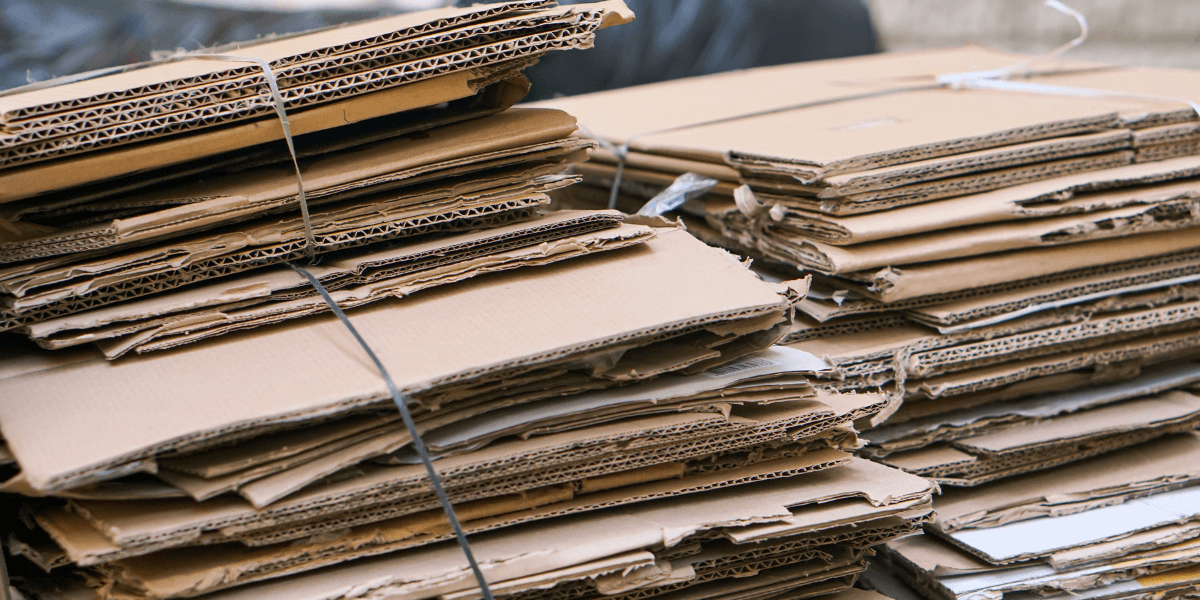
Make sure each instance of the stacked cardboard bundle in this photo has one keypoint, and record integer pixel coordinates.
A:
(1121, 526)
(1018, 268)
(586, 426)
(186, 419)
(969, 246)
(88, 258)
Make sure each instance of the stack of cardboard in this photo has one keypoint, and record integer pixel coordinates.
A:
(1018, 269)
(1121, 526)
(277, 451)
(613, 418)
(87, 257)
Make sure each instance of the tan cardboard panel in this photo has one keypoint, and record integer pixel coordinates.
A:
(333, 273)
(286, 50)
(971, 162)
(1149, 349)
(229, 199)
(381, 493)
(606, 533)
(340, 87)
(612, 114)
(184, 104)
(1163, 462)
(937, 189)
(215, 323)
(1147, 543)
(1163, 82)
(36, 287)
(981, 240)
(952, 275)
(988, 468)
(964, 420)
(1158, 282)
(1147, 183)
(1135, 414)
(102, 196)
(869, 133)
(71, 172)
(191, 569)
(687, 268)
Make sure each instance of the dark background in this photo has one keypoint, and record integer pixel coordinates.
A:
(41, 39)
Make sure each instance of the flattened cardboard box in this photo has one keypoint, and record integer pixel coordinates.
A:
(674, 265)
(966, 421)
(1126, 353)
(1008, 451)
(677, 519)
(1007, 268)
(1075, 194)
(383, 493)
(229, 199)
(728, 95)
(333, 85)
(52, 288)
(565, 234)
(152, 156)
(1156, 466)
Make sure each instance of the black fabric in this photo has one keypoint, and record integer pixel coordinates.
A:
(683, 38)
(40, 39)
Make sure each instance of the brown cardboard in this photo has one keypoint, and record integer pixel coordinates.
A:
(275, 305)
(153, 157)
(336, 272)
(765, 89)
(970, 162)
(581, 24)
(1151, 348)
(1155, 465)
(1135, 414)
(228, 199)
(956, 574)
(984, 468)
(175, 334)
(944, 277)
(692, 269)
(382, 493)
(1075, 194)
(964, 420)
(960, 243)
(321, 43)
(53, 289)
(1167, 279)
(671, 522)
(290, 558)
(937, 189)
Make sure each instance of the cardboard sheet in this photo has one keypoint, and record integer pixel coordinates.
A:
(674, 262)
(952, 425)
(1166, 462)
(228, 199)
(1074, 194)
(1008, 268)
(963, 242)
(618, 530)
(361, 266)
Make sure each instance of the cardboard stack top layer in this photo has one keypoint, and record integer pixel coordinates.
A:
(603, 398)
(323, 77)
(180, 231)
(1041, 253)
(1017, 269)
(272, 462)
(1120, 526)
